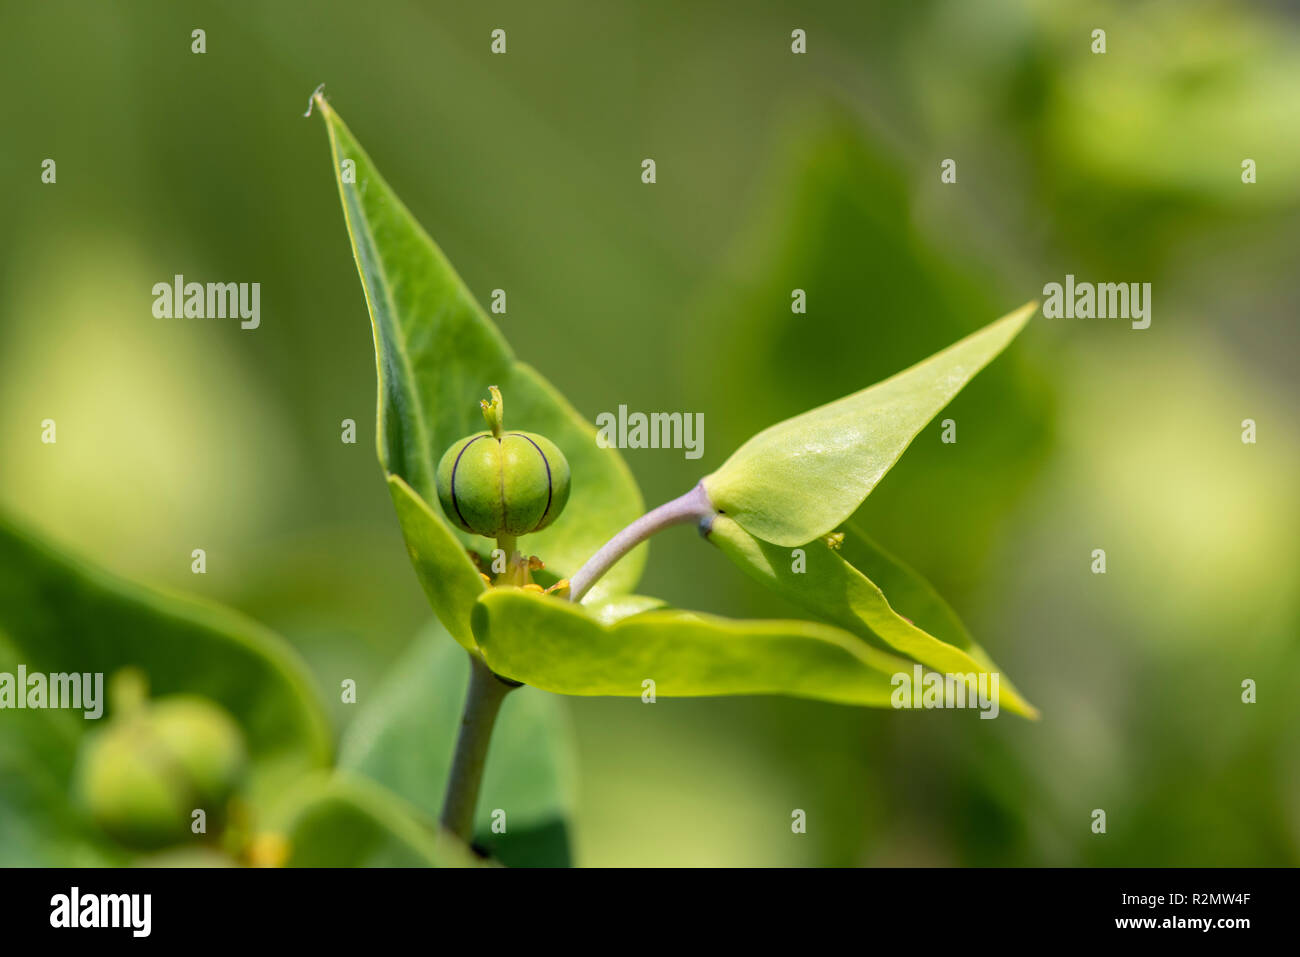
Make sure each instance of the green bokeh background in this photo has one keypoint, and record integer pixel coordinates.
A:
(775, 172)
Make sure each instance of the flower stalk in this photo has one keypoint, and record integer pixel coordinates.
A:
(694, 506)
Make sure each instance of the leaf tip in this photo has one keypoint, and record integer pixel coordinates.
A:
(1018, 705)
(317, 96)
(1026, 312)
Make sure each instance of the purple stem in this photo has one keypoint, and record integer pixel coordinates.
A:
(694, 506)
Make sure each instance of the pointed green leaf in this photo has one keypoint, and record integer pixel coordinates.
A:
(60, 614)
(800, 479)
(341, 821)
(450, 579)
(436, 353)
(404, 739)
(832, 584)
(553, 644)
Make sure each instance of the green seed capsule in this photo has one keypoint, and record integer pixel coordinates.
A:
(145, 773)
(513, 484)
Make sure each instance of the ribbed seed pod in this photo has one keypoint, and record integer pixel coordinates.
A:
(143, 774)
(512, 485)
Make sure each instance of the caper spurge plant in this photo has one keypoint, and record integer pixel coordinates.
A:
(781, 507)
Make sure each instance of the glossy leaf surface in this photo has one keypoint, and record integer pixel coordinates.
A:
(800, 479)
(553, 644)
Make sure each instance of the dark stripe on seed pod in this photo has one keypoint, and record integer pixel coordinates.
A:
(549, 486)
(454, 466)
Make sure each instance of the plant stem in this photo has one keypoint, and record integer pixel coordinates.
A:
(483, 702)
(694, 506)
(508, 544)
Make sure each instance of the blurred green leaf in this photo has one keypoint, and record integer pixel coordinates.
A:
(339, 821)
(40, 824)
(799, 479)
(834, 585)
(405, 736)
(553, 644)
(186, 857)
(59, 614)
(1184, 112)
(436, 354)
